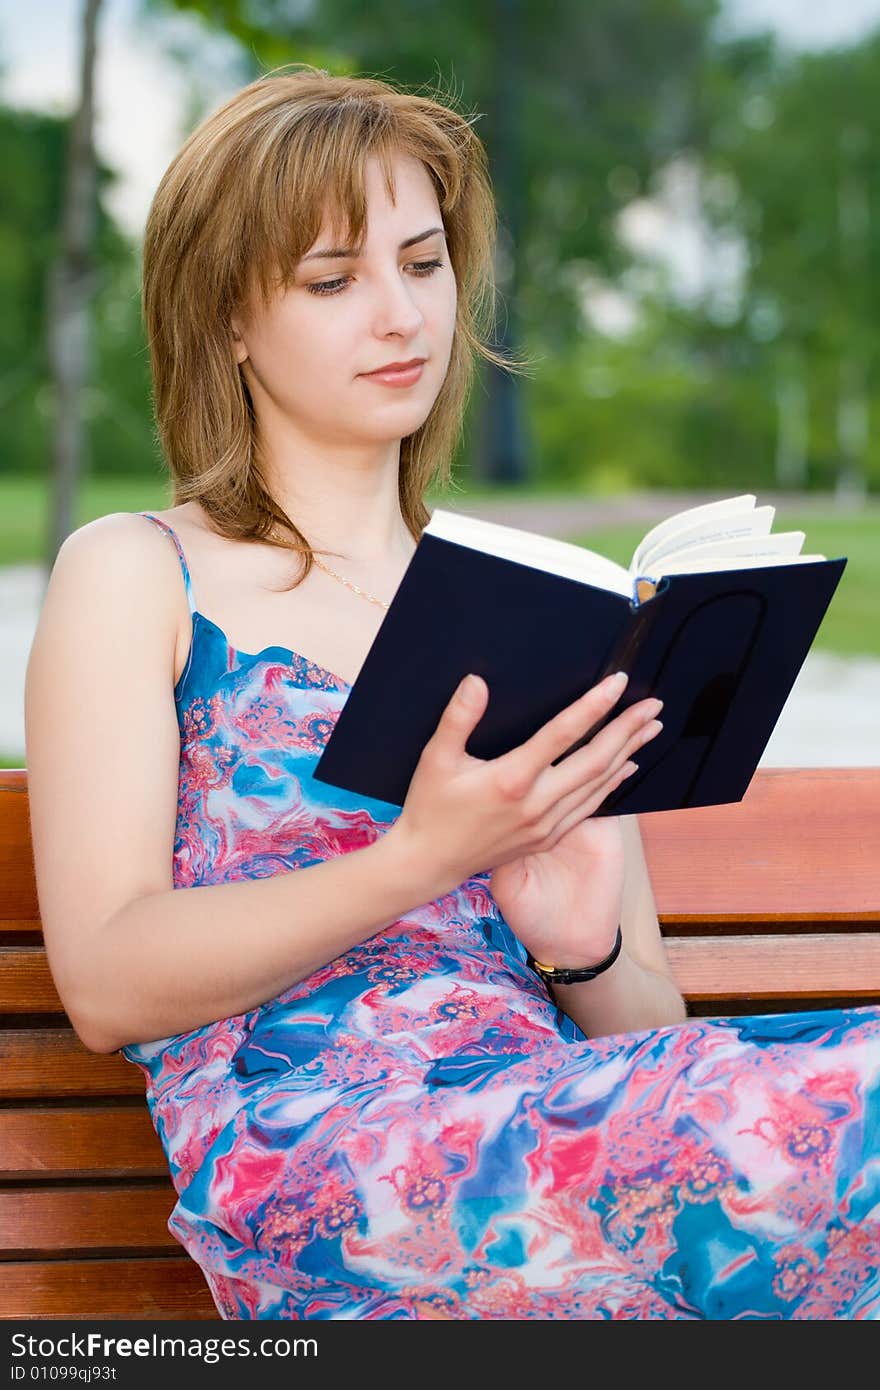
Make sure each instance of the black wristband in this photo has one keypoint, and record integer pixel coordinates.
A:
(561, 975)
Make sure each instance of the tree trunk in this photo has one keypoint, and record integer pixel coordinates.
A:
(851, 488)
(71, 287)
(792, 428)
(501, 450)
(854, 220)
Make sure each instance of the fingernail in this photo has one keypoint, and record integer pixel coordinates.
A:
(617, 683)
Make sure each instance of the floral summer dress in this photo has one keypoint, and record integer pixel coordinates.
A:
(416, 1131)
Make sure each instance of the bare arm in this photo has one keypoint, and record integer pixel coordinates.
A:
(175, 960)
(638, 991)
(133, 958)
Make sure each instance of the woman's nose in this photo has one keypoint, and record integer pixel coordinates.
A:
(397, 308)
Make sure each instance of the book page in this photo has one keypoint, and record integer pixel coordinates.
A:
(712, 534)
(686, 521)
(702, 566)
(739, 551)
(529, 548)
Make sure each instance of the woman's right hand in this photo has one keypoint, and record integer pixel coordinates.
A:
(463, 815)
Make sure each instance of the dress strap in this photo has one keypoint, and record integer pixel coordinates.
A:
(163, 525)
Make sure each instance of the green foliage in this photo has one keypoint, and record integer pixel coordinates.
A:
(122, 430)
(580, 106)
(791, 164)
(116, 405)
(31, 149)
(611, 416)
(577, 103)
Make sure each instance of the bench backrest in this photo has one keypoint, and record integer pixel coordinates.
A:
(766, 905)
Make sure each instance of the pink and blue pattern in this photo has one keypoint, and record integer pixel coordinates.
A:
(416, 1131)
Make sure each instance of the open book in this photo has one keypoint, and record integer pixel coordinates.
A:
(730, 534)
(714, 615)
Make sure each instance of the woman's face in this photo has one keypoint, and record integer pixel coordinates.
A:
(305, 357)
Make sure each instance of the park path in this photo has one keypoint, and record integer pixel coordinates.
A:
(831, 718)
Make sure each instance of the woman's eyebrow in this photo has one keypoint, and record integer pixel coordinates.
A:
(339, 252)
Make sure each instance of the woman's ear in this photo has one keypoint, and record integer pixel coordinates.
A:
(238, 343)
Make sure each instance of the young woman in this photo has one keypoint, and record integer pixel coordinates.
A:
(372, 1105)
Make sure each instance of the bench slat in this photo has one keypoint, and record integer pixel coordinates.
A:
(18, 888)
(803, 844)
(716, 966)
(86, 1290)
(41, 1221)
(773, 899)
(112, 1141)
(26, 984)
(777, 967)
(44, 1062)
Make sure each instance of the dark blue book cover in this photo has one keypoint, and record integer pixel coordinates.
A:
(722, 649)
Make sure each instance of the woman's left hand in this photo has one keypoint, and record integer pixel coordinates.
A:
(564, 903)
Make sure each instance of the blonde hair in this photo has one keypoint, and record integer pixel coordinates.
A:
(241, 202)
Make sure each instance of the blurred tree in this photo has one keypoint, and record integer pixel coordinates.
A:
(776, 382)
(33, 149)
(73, 281)
(582, 103)
(792, 162)
(31, 153)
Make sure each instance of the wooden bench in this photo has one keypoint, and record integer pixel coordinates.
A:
(772, 904)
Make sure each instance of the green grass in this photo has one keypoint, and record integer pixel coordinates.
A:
(851, 626)
(24, 514)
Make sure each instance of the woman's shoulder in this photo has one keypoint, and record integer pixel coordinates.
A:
(121, 563)
(120, 545)
(125, 537)
(186, 517)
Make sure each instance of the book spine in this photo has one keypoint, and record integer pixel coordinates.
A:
(622, 657)
(643, 590)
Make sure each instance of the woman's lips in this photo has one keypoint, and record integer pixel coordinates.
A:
(404, 378)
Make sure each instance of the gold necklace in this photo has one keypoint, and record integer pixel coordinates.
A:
(348, 584)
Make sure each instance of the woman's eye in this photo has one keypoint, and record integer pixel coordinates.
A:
(420, 268)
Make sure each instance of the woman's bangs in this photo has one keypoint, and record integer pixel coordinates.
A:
(322, 183)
